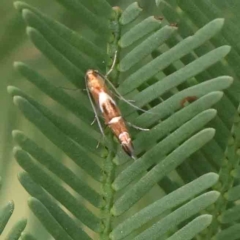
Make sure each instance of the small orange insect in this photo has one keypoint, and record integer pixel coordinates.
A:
(188, 99)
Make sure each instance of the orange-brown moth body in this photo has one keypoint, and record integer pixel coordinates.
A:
(109, 109)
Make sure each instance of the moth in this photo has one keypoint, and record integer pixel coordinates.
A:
(100, 96)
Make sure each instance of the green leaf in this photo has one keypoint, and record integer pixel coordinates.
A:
(47, 220)
(231, 215)
(173, 219)
(70, 148)
(161, 169)
(26, 236)
(66, 222)
(5, 214)
(74, 39)
(62, 46)
(146, 47)
(138, 31)
(57, 168)
(130, 13)
(170, 201)
(16, 230)
(56, 190)
(183, 48)
(77, 108)
(172, 104)
(229, 233)
(163, 148)
(193, 228)
(72, 72)
(76, 133)
(90, 19)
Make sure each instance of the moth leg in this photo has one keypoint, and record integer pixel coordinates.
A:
(121, 97)
(137, 127)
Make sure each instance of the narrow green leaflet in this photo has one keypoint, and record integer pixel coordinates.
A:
(67, 223)
(60, 139)
(5, 214)
(160, 150)
(173, 219)
(170, 201)
(27, 236)
(172, 104)
(174, 159)
(57, 190)
(193, 228)
(181, 49)
(91, 20)
(146, 47)
(74, 39)
(130, 13)
(145, 27)
(229, 233)
(57, 168)
(16, 230)
(47, 220)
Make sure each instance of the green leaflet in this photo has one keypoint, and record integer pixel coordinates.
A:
(160, 170)
(160, 150)
(146, 47)
(168, 202)
(64, 65)
(193, 228)
(49, 222)
(229, 233)
(96, 24)
(229, 189)
(184, 47)
(179, 215)
(56, 190)
(58, 138)
(180, 76)
(172, 104)
(26, 236)
(145, 27)
(231, 215)
(130, 13)
(57, 168)
(66, 222)
(68, 128)
(74, 39)
(5, 214)
(146, 140)
(17, 229)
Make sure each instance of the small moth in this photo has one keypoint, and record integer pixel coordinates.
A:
(97, 89)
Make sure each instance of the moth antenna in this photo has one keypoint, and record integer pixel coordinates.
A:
(137, 127)
(113, 64)
(71, 89)
(94, 109)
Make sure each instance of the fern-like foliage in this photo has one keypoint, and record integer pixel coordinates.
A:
(160, 67)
